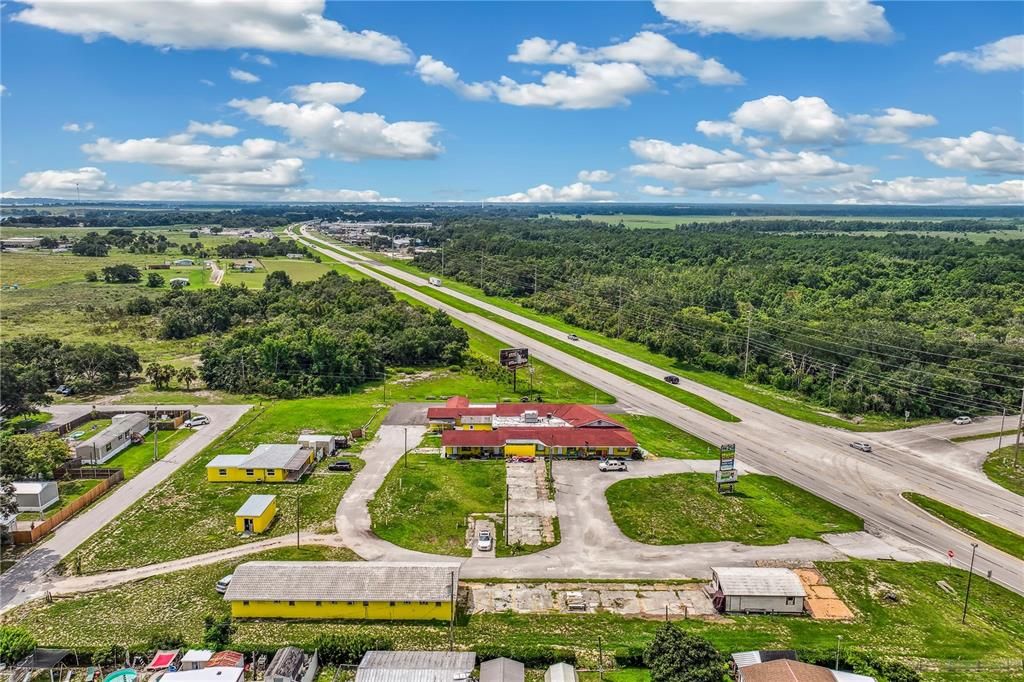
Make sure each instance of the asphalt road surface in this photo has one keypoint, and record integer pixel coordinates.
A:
(815, 458)
(29, 577)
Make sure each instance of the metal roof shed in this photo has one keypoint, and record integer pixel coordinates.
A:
(502, 670)
(44, 659)
(561, 672)
(416, 666)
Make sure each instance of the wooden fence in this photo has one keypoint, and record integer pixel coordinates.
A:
(27, 537)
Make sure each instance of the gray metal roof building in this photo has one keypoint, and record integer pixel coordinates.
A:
(343, 581)
(502, 670)
(415, 666)
(758, 582)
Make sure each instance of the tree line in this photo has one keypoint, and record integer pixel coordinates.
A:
(858, 324)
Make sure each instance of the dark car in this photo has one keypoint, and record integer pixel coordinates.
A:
(672, 379)
(342, 443)
(340, 465)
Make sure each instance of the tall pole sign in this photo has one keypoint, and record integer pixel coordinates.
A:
(726, 475)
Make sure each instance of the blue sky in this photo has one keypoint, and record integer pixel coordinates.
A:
(798, 101)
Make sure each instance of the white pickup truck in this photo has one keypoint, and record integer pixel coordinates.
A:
(436, 281)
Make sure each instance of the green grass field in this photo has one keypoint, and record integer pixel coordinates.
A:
(424, 506)
(135, 458)
(665, 440)
(901, 613)
(759, 395)
(679, 509)
(299, 270)
(1000, 468)
(983, 436)
(980, 529)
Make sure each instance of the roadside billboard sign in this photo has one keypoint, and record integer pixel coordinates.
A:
(514, 358)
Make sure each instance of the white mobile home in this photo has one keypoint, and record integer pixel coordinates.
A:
(740, 589)
(113, 439)
(36, 496)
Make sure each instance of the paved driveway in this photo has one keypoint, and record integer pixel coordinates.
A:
(29, 577)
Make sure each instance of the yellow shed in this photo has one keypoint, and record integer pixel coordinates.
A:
(344, 590)
(256, 514)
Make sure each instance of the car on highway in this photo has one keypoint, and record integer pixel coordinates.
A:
(672, 379)
(573, 337)
(340, 465)
(197, 420)
(223, 583)
(860, 445)
(484, 541)
(612, 465)
(962, 420)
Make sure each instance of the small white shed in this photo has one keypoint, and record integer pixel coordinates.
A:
(742, 589)
(36, 496)
(321, 444)
(561, 672)
(195, 659)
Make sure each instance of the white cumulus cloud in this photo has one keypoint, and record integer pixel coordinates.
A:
(60, 184)
(916, 190)
(578, 191)
(1005, 54)
(261, 59)
(296, 26)
(77, 127)
(837, 20)
(659, 191)
(361, 196)
(215, 129)
(595, 176)
(351, 136)
(334, 92)
(243, 76)
(892, 126)
(979, 151)
(435, 72)
(653, 52)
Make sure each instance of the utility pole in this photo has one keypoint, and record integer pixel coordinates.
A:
(1002, 427)
(535, 280)
(831, 385)
(405, 430)
(481, 271)
(600, 659)
(451, 620)
(970, 574)
(298, 503)
(746, 353)
(506, 513)
(442, 260)
(156, 431)
(839, 642)
(1020, 427)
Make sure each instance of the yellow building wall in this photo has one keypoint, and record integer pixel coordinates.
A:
(328, 610)
(239, 475)
(474, 427)
(527, 450)
(259, 523)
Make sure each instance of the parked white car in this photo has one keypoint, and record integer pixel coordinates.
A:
(222, 584)
(612, 465)
(198, 420)
(962, 420)
(484, 541)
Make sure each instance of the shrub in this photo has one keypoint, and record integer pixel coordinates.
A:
(15, 644)
(339, 649)
(91, 276)
(110, 656)
(165, 640)
(633, 657)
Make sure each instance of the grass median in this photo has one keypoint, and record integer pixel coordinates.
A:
(980, 529)
(1006, 468)
(680, 509)
(662, 439)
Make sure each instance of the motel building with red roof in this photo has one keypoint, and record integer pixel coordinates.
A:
(528, 430)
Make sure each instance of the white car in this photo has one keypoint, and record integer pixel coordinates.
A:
(222, 584)
(863, 447)
(962, 420)
(198, 420)
(484, 541)
(612, 465)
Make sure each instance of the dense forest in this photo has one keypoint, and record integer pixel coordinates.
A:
(858, 324)
(287, 339)
(275, 246)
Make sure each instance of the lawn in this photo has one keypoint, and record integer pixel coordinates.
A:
(980, 529)
(90, 428)
(764, 396)
(424, 506)
(984, 436)
(135, 458)
(679, 509)
(900, 612)
(186, 515)
(69, 491)
(665, 440)
(299, 270)
(999, 466)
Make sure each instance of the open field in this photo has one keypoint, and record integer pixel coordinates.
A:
(999, 466)
(758, 395)
(424, 506)
(900, 613)
(665, 440)
(299, 270)
(661, 222)
(679, 509)
(980, 529)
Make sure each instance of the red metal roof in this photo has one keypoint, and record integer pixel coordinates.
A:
(575, 414)
(162, 660)
(457, 401)
(226, 659)
(550, 436)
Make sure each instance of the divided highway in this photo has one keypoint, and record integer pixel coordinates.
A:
(815, 458)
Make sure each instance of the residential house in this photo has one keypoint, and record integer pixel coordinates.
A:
(785, 670)
(183, 261)
(256, 514)
(36, 496)
(741, 589)
(416, 666)
(113, 439)
(208, 674)
(356, 590)
(267, 463)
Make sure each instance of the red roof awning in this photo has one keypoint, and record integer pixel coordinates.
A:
(163, 660)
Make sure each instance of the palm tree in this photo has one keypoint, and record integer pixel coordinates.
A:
(187, 375)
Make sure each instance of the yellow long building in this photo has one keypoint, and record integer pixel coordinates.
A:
(344, 590)
(268, 463)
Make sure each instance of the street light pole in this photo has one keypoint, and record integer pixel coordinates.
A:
(839, 642)
(970, 574)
